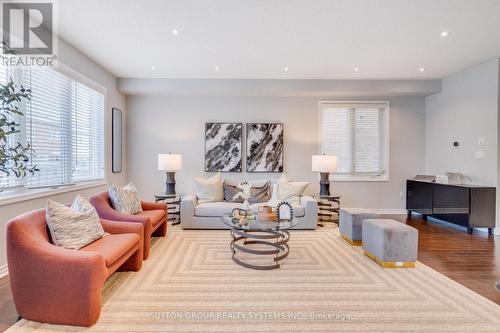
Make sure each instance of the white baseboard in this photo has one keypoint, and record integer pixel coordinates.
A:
(4, 271)
(389, 211)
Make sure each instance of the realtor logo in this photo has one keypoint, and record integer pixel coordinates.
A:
(27, 27)
(29, 33)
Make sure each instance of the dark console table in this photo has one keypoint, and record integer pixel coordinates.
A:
(470, 206)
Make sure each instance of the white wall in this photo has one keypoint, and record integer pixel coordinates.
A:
(468, 108)
(465, 110)
(80, 63)
(162, 124)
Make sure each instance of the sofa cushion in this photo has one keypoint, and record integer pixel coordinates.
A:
(209, 190)
(73, 228)
(156, 215)
(113, 247)
(125, 200)
(260, 191)
(290, 191)
(135, 200)
(298, 211)
(215, 209)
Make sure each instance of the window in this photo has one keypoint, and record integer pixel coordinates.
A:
(64, 123)
(357, 133)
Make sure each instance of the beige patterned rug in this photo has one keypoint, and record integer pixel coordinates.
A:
(190, 284)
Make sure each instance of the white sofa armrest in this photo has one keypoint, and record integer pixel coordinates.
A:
(310, 205)
(188, 205)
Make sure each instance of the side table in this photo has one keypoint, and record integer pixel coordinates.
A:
(328, 208)
(173, 202)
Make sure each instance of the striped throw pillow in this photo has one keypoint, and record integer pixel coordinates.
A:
(73, 227)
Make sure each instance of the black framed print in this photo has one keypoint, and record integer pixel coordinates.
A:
(116, 140)
(264, 147)
(223, 146)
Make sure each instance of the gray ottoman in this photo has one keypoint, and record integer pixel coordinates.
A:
(390, 243)
(351, 224)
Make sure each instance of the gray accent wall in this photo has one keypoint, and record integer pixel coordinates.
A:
(467, 109)
(175, 123)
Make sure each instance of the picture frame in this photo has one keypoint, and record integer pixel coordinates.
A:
(223, 147)
(116, 140)
(265, 147)
(284, 211)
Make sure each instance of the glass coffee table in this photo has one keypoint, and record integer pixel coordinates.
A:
(270, 237)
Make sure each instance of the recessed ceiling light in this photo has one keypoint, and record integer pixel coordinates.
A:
(216, 68)
(356, 69)
(285, 69)
(444, 34)
(153, 67)
(175, 32)
(422, 69)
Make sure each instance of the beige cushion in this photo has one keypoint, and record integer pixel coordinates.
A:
(209, 190)
(135, 200)
(260, 191)
(290, 191)
(125, 200)
(215, 209)
(75, 227)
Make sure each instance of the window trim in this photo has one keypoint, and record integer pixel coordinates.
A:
(25, 194)
(387, 161)
(13, 196)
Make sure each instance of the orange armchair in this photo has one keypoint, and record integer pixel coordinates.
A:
(60, 286)
(153, 217)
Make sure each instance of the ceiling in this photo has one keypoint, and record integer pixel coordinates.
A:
(313, 39)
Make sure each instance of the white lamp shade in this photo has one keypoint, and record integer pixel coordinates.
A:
(169, 162)
(324, 163)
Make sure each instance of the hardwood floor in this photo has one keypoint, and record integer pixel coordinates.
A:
(8, 315)
(472, 260)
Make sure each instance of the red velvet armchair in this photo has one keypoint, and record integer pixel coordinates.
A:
(153, 217)
(55, 285)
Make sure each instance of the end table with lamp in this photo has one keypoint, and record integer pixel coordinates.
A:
(328, 208)
(328, 204)
(173, 202)
(170, 163)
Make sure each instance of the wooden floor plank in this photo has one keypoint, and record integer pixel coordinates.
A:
(8, 315)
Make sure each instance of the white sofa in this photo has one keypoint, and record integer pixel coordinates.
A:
(196, 215)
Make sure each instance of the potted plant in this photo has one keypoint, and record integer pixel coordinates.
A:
(14, 158)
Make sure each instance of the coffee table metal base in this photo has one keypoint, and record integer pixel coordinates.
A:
(277, 241)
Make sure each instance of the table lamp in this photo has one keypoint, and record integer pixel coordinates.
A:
(170, 163)
(324, 164)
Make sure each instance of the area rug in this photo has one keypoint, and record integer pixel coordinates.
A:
(190, 284)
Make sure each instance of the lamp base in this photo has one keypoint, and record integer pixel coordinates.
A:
(170, 183)
(324, 184)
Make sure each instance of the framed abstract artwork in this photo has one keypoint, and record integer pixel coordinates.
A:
(223, 147)
(116, 140)
(264, 147)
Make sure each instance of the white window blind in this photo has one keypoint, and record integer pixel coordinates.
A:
(64, 123)
(357, 134)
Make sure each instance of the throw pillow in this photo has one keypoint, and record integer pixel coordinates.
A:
(125, 200)
(209, 190)
(275, 198)
(136, 201)
(260, 191)
(73, 228)
(290, 191)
